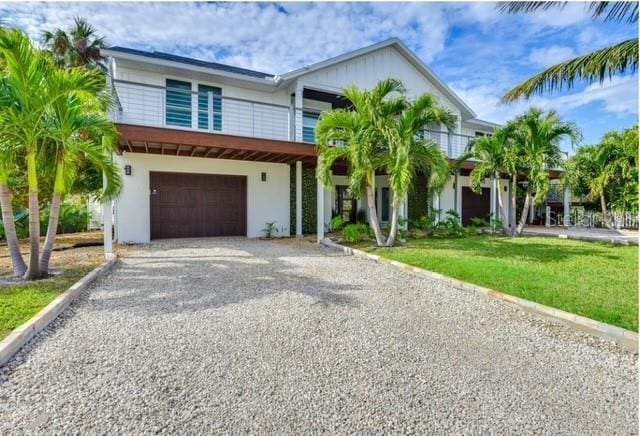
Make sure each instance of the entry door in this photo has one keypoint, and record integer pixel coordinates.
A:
(197, 205)
(475, 205)
(346, 204)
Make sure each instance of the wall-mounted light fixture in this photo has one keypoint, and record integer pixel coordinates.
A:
(127, 170)
(263, 177)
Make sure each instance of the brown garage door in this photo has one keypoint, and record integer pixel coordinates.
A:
(475, 205)
(197, 205)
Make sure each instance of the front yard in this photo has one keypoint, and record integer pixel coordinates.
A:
(19, 301)
(596, 280)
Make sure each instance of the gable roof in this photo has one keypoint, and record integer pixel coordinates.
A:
(405, 51)
(189, 61)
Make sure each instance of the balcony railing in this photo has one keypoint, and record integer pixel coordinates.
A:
(145, 104)
(453, 145)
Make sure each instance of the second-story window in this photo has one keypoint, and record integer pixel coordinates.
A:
(178, 103)
(309, 121)
(209, 107)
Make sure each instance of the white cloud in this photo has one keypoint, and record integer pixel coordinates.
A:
(618, 96)
(548, 56)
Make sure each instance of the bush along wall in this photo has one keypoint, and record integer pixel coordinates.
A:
(309, 204)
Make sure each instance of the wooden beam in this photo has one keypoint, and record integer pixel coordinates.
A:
(129, 146)
(250, 155)
(208, 140)
(162, 148)
(146, 146)
(193, 151)
(178, 150)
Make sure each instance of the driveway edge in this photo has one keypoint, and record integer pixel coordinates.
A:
(23, 334)
(626, 339)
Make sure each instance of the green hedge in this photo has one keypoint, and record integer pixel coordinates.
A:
(309, 205)
(418, 198)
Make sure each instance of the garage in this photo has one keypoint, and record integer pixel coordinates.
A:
(197, 205)
(475, 205)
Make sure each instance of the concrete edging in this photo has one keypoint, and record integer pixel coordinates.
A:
(23, 334)
(624, 338)
(604, 239)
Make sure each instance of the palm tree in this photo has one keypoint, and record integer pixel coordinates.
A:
(596, 66)
(537, 136)
(25, 71)
(409, 152)
(496, 154)
(78, 46)
(358, 131)
(607, 171)
(78, 121)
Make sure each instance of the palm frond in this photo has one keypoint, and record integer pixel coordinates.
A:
(612, 11)
(596, 66)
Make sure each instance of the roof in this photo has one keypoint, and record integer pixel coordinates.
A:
(190, 61)
(405, 51)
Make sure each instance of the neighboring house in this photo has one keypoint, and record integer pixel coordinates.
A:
(209, 149)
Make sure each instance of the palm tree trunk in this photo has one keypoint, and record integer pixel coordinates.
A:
(514, 212)
(605, 212)
(373, 216)
(54, 216)
(393, 231)
(33, 271)
(523, 217)
(503, 214)
(19, 267)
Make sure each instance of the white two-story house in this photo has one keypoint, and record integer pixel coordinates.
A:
(211, 150)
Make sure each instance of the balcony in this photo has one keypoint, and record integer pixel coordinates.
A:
(145, 105)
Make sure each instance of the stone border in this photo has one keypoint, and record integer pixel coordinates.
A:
(23, 334)
(624, 338)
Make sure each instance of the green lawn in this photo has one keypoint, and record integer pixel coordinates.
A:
(596, 280)
(18, 303)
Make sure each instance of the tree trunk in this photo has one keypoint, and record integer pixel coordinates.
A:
(605, 212)
(525, 211)
(33, 271)
(19, 267)
(503, 214)
(54, 216)
(373, 216)
(514, 212)
(393, 231)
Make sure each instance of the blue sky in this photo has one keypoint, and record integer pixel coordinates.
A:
(478, 51)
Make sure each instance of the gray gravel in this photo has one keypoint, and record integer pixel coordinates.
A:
(236, 336)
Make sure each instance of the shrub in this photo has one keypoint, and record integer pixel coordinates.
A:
(270, 229)
(337, 223)
(496, 224)
(74, 217)
(361, 216)
(450, 225)
(355, 233)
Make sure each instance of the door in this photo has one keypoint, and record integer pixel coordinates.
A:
(475, 205)
(197, 205)
(346, 204)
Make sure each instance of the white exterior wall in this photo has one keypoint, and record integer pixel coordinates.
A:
(447, 195)
(266, 201)
(365, 71)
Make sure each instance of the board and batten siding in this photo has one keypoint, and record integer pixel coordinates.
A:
(266, 201)
(367, 70)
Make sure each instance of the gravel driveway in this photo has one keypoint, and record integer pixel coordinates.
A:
(237, 336)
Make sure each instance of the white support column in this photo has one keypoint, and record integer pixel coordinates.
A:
(405, 213)
(299, 105)
(299, 199)
(320, 208)
(494, 195)
(547, 216)
(531, 212)
(107, 225)
(566, 199)
(436, 205)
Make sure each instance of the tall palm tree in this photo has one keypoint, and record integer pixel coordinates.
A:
(80, 131)
(409, 152)
(25, 72)
(78, 46)
(362, 145)
(496, 154)
(537, 135)
(599, 65)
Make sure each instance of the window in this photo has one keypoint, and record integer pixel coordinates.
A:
(384, 206)
(178, 103)
(479, 134)
(209, 107)
(309, 121)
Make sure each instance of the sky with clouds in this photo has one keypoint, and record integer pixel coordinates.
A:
(476, 50)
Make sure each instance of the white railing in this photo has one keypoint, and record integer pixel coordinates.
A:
(453, 145)
(144, 104)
